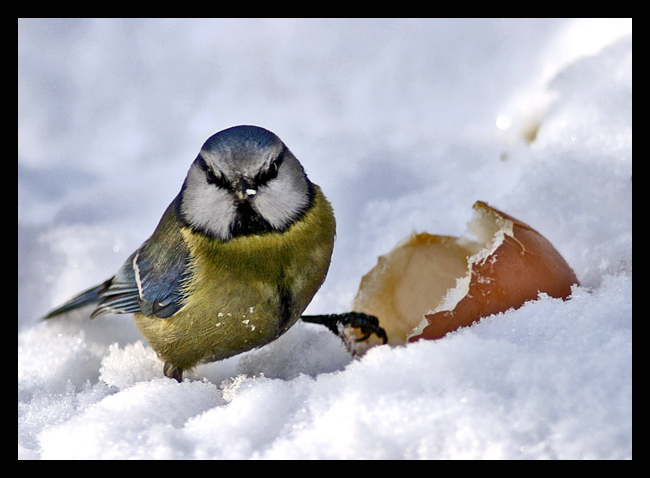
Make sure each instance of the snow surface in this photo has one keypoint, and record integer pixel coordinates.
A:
(404, 124)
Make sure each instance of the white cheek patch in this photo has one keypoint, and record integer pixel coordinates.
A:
(207, 207)
(282, 201)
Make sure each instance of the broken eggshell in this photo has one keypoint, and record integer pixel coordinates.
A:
(431, 285)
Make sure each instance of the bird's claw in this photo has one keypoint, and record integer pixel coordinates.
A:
(367, 324)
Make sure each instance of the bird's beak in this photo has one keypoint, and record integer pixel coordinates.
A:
(245, 190)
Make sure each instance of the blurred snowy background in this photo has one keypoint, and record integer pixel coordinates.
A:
(404, 124)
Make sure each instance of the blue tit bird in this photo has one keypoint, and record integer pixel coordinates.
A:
(235, 259)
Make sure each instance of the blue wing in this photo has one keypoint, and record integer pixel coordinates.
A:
(150, 281)
(120, 294)
(143, 285)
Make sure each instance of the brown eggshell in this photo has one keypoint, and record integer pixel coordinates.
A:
(431, 285)
(523, 265)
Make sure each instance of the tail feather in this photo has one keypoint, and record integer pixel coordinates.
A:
(91, 296)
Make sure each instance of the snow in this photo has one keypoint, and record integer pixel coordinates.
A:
(404, 124)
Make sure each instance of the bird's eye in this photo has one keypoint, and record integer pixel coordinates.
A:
(212, 177)
(216, 179)
(271, 172)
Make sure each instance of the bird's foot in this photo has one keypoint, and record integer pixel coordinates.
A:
(353, 328)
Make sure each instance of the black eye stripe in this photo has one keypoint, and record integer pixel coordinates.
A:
(212, 177)
(261, 179)
(271, 172)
